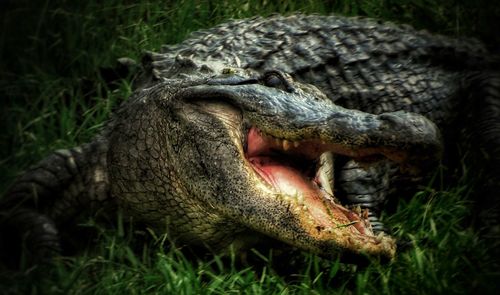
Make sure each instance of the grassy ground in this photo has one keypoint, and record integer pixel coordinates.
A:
(54, 95)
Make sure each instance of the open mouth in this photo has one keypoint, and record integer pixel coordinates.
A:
(302, 171)
(284, 163)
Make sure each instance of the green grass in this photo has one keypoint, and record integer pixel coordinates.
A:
(54, 96)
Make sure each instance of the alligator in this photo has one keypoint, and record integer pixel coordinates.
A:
(291, 130)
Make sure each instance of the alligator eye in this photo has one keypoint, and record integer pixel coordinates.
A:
(276, 79)
(273, 81)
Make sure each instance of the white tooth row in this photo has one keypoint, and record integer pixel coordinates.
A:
(285, 143)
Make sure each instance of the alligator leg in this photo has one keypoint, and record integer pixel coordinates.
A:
(367, 186)
(55, 190)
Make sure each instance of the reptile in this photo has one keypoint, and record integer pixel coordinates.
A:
(292, 129)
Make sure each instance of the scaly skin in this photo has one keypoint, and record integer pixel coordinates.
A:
(190, 153)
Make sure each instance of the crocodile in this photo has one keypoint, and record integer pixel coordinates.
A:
(289, 129)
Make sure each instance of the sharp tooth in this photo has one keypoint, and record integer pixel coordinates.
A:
(325, 172)
(277, 141)
(296, 143)
(286, 145)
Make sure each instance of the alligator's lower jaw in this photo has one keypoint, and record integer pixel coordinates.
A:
(291, 172)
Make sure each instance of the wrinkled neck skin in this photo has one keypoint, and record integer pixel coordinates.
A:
(217, 155)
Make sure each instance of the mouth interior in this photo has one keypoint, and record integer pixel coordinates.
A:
(294, 170)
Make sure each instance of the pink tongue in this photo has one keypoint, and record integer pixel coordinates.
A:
(292, 183)
(285, 178)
